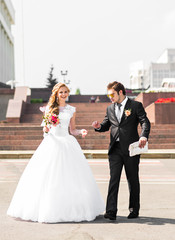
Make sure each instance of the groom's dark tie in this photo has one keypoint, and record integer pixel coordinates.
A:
(119, 111)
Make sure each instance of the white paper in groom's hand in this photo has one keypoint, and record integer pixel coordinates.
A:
(134, 149)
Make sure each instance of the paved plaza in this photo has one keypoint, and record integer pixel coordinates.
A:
(157, 214)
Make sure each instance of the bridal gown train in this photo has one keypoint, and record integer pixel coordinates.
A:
(57, 185)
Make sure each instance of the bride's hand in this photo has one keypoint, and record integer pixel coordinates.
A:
(83, 132)
(46, 129)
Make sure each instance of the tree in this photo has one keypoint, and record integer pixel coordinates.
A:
(78, 92)
(51, 81)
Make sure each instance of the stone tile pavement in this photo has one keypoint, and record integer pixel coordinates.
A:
(157, 214)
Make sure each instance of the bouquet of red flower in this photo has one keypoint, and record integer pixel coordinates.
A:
(51, 119)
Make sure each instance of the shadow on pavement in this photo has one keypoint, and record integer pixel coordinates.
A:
(147, 220)
(141, 220)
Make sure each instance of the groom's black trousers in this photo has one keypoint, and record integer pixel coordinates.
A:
(117, 159)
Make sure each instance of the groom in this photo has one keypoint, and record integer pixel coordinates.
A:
(123, 117)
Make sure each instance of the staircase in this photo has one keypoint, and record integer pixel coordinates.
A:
(28, 134)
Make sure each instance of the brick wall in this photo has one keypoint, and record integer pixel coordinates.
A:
(161, 113)
(150, 110)
(165, 113)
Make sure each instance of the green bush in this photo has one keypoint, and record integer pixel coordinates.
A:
(36, 100)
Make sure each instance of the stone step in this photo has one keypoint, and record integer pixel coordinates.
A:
(21, 133)
(23, 130)
(78, 115)
(36, 142)
(19, 142)
(34, 147)
(153, 127)
(38, 129)
(161, 140)
(90, 135)
(80, 107)
(27, 136)
(40, 136)
(20, 128)
(32, 126)
(155, 136)
(36, 125)
(83, 120)
(163, 126)
(14, 147)
(83, 146)
(21, 137)
(101, 137)
(162, 131)
(162, 146)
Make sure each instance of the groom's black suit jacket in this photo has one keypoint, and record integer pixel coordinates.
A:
(126, 130)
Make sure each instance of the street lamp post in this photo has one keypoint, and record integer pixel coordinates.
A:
(64, 74)
(142, 83)
(67, 82)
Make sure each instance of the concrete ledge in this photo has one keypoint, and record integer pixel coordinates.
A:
(151, 154)
(93, 154)
(16, 154)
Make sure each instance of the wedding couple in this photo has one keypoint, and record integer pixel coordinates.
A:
(58, 186)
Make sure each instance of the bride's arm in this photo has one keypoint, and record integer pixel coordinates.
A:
(73, 129)
(45, 110)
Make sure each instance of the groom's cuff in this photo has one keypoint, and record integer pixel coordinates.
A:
(97, 129)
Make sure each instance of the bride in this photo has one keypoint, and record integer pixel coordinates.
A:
(57, 185)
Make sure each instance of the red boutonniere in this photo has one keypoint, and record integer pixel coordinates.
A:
(127, 112)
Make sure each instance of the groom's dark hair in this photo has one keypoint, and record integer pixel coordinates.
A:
(117, 86)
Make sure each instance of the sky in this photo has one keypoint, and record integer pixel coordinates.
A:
(94, 40)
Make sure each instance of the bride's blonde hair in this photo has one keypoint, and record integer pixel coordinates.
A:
(54, 100)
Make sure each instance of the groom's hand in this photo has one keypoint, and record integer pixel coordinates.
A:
(142, 142)
(96, 124)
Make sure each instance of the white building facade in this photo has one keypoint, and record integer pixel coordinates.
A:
(7, 18)
(164, 67)
(138, 75)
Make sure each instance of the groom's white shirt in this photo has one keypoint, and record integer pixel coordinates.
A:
(123, 103)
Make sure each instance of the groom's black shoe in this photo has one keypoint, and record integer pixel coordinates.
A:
(110, 215)
(133, 215)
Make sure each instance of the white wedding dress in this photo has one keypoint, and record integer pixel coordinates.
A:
(57, 185)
